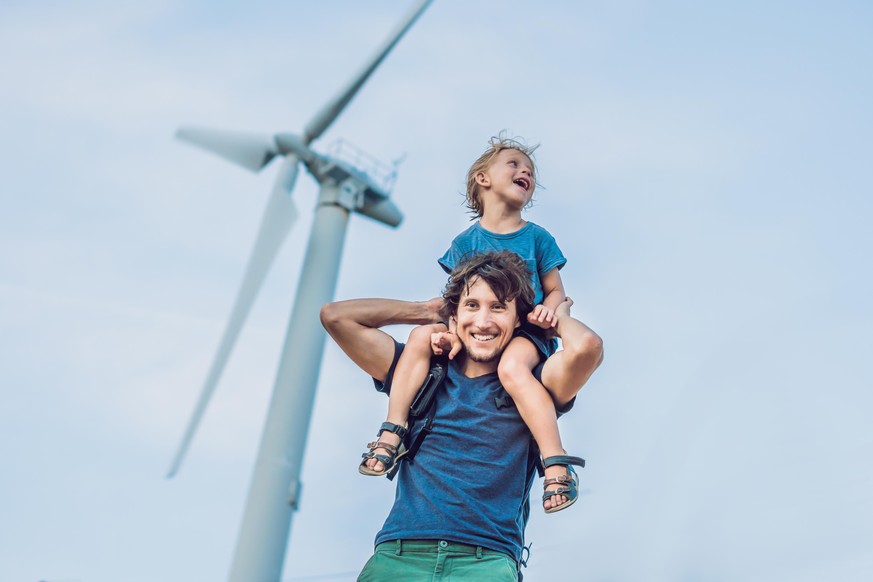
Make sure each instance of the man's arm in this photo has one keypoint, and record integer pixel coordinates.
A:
(566, 371)
(354, 325)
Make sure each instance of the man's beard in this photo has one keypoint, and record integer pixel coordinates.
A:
(483, 358)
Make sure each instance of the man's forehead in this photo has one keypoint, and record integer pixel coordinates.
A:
(481, 290)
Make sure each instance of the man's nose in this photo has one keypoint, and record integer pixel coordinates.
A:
(483, 318)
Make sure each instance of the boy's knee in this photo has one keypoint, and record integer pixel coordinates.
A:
(419, 337)
(512, 371)
(588, 348)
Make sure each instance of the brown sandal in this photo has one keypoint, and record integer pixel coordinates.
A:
(390, 460)
(571, 491)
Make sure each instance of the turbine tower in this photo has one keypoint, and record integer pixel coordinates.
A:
(344, 188)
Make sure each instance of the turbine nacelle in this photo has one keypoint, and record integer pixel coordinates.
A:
(356, 190)
(365, 191)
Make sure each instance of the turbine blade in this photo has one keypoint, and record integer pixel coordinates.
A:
(278, 218)
(322, 120)
(252, 151)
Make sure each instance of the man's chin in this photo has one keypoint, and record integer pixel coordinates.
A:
(483, 357)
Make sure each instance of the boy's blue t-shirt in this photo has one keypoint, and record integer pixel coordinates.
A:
(531, 242)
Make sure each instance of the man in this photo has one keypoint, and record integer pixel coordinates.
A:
(462, 504)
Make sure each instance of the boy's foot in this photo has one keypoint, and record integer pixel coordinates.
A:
(373, 462)
(561, 487)
(554, 501)
(385, 451)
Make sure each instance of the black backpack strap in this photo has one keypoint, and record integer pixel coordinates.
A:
(424, 398)
(423, 409)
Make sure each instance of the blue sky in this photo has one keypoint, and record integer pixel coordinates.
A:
(705, 170)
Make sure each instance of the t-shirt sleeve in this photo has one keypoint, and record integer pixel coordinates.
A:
(448, 260)
(456, 254)
(549, 256)
(386, 385)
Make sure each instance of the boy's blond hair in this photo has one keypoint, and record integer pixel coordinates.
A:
(497, 144)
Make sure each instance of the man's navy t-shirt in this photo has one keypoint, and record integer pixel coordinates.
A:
(471, 478)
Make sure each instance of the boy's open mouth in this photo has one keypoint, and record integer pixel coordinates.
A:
(522, 182)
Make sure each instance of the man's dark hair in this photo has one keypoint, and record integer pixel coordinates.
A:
(505, 272)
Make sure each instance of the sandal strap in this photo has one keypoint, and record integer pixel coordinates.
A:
(380, 445)
(560, 479)
(395, 428)
(386, 460)
(565, 460)
(568, 491)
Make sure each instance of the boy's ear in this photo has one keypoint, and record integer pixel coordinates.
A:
(482, 179)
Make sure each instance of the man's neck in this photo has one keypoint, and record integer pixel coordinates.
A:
(473, 369)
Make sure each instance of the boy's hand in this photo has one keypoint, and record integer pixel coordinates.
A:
(542, 316)
(445, 341)
(563, 309)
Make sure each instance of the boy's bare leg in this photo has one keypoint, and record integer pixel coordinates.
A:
(567, 371)
(409, 375)
(534, 404)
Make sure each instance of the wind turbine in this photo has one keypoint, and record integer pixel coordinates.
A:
(275, 488)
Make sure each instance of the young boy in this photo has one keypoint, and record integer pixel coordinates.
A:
(500, 184)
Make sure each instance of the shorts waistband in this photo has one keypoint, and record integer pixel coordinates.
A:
(400, 547)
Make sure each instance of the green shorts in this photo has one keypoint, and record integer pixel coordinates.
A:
(432, 561)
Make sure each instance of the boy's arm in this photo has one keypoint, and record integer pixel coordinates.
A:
(447, 342)
(354, 325)
(553, 289)
(566, 371)
(543, 315)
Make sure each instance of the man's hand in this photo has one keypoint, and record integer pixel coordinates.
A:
(542, 317)
(445, 341)
(433, 306)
